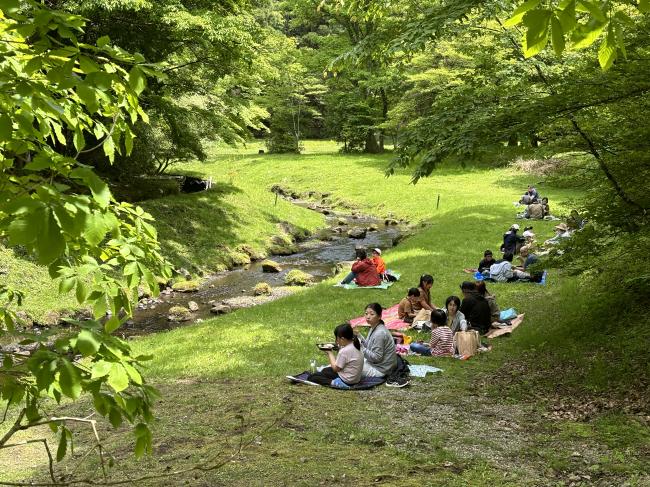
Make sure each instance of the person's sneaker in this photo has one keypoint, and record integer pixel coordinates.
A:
(339, 284)
(401, 382)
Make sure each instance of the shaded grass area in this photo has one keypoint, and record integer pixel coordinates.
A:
(486, 421)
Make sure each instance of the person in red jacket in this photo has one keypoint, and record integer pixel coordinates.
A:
(364, 271)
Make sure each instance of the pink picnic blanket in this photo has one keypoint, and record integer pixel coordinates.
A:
(390, 319)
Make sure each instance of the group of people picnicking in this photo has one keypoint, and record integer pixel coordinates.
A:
(475, 311)
(367, 271)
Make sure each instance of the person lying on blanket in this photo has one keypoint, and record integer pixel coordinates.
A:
(364, 272)
(405, 310)
(379, 347)
(442, 338)
(347, 366)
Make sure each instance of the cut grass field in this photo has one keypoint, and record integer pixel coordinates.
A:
(514, 416)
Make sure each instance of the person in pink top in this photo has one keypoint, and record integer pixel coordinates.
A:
(442, 338)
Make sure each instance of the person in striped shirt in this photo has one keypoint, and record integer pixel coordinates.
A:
(442, 338)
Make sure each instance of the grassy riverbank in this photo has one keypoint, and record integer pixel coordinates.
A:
(559, 402)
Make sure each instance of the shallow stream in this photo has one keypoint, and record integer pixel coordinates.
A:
(317, 255)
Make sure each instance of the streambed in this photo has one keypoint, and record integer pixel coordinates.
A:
(317, 255)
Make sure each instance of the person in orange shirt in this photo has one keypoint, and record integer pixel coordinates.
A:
(379, 262)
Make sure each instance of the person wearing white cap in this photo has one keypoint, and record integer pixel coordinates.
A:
(510, 240)
(379, 262)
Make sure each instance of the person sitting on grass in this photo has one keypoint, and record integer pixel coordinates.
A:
(455, 319)
(486, 262)
(379, 347)
(405, 308)
(495, 311)
(475, 308)
(547, 209)
(442, 338)
(511, 240)
(561, 232)
(345, 369)
(527, 259)
(534, 211)
(364, 272)
(379, 262)
(423, 306)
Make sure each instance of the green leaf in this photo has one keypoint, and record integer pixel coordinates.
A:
(142, 440)
(137, 80)
(557, 36)
(95, 228)
(79, 140)
(6, 128)
(118, 378)
(130, 268)
(65, 285)
(99, 189)
(23, 231)
(520, 11)
(109, 149)
(115, 417)
(81, 291)
(112, 324)
(87, 65)
(63, 446)
(620, 39)
(100, 369)
(69, 379)
(567, 16)
(607, 50)
(593, 9)
(537, 23)
(128, 141)
(87, 343)
(587, 35)
(133, 373)
(100, 307)
(103, 41)
(9, 6)
(88, 97)
(50, 243)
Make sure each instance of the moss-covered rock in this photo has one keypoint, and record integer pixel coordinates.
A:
(271, 266)
(252, 252)
(179, 313)
(262, 288)
(186, 286)
(240, 258)
(298, 278)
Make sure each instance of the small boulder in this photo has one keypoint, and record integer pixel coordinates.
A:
(24, 319)
(220, 309)
(186, 286)
(357, 233)
(193, 306)
(253, 253)
(271, 266)
(390, 221)
(179, 313)
(298, 278)
(372, 228)
(262, 288)
(51, 318)
(185, 273)
(342, 221)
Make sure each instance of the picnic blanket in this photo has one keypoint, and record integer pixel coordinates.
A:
(390, 319)
(382, 285)
(422, 370)
(366, 382)
(505, 330)
(480, 277)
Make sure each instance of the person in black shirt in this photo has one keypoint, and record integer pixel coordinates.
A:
(487, 261)
(475, 308)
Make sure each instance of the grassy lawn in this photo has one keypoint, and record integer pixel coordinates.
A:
(514, 416)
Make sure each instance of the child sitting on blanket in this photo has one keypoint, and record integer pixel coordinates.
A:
(345, 369)
(405, 311)
(442, 338)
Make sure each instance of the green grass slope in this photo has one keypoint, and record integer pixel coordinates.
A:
(558, 403)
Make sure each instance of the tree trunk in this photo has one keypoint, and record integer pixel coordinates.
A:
(372, 147)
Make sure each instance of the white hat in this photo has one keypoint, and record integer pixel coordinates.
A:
(377, 250)
(515, 227)
(528, 233)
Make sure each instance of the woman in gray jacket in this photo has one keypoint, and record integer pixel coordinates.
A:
(379, 347)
